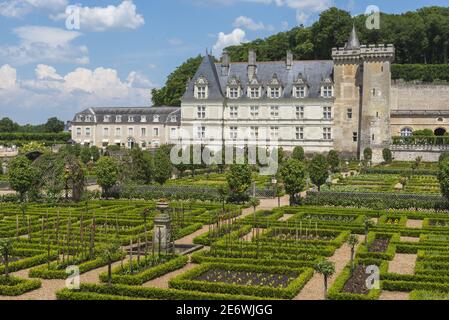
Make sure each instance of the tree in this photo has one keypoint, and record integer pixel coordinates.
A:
(163, 167)
(352, 241)
(85, 155)
(368, 224)
(7, 125)
(108, 254)
(416, 164)
(254, 203)
(95, 153)
(54, 125)
(318, 171)
(333, 160)
(6, 248)
(22, 176)
(387, 155)
(239, 181)
(327, 270)
(293, 175)
(298, 154)
(175, 87)
(443, 156)
(107, 172)
(140, 166)
(368, 154)
(50, 173)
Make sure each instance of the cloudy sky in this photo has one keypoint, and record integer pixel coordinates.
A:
(123, 48)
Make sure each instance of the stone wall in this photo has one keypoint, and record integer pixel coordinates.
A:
(408, 96)
(410, 153)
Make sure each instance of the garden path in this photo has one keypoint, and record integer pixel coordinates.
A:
(314, 289)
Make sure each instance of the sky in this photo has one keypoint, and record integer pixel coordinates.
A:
(58, 57)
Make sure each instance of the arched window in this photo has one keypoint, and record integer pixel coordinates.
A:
(406, 132)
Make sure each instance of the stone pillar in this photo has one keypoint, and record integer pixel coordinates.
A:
(162, 229)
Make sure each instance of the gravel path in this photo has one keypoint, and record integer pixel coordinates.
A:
(394, 295)
(414, 224)
(409, 239)
(314, 289)
(286, 217)
(162, 282)
(403, 264)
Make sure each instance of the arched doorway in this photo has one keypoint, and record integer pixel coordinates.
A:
(440, 132)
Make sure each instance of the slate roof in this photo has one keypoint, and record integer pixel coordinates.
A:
(165, 114)
(314, 72)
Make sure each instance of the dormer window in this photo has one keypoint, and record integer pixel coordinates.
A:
(88, 118)
(254, 92)
(201, 88)
(118, 119)
(233, 93)
(234, 88)
(173, 119)
(143, 119)
(131, 119)
(300, 92)
(107, 119)
(327, 88)
(275, 88)
(79, 118)
(156, 118)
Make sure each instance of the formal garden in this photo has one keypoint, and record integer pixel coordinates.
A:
(326, 229)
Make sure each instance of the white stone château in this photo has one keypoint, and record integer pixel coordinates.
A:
(346, 104)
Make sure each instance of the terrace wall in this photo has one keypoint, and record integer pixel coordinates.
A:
(411, 152)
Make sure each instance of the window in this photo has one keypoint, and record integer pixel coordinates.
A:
(201, 92)
(274, 132)
(131, 119)
(143, 132)
(327, 134)
(274, 111)
(106, 132)
(156, 132)
(349, 113)
(299, 133)
(234, 93)
(118, 132)
(79, 118)
(87, 132)
(327, 91)
(78, 132)
(299, 112)
(299, 92)
(233, 133)
(254, 92)
(107, 119)
(143, 119)
(254, 132)
(130, 131)
(156, 118)
(201, 132)
(254, 111)
(118, 119)
(327, 113)
(275, 93)
(201, 112)
(355, 136)
(173, 119)
(173, 133)
(233, 112)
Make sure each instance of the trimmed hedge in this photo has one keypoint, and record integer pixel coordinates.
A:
(421, 72)
(146, 275)
(13, 286)
(186, 282)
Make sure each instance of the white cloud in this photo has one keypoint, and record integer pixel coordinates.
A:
(123, 16)
(53, 94)
(44, 44)
(236, 37)
(8, 77)
(20, 8)
(248, 23)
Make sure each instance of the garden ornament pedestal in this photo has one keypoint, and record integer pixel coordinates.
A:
(162, 232)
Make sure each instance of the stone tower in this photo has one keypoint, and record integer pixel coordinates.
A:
(362, 76)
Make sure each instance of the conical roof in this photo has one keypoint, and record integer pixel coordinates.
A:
(353, 42)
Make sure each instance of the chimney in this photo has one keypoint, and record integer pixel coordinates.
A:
(252, 59)
(225, 63)
(289, 60)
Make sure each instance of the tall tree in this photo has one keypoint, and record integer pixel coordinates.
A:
(239, 181)
(107, 171)
(22, 176)
(293, 175)
(163, 167)
(54, 125)
(318, 171)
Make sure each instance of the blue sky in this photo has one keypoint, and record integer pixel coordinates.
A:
(124, 48)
